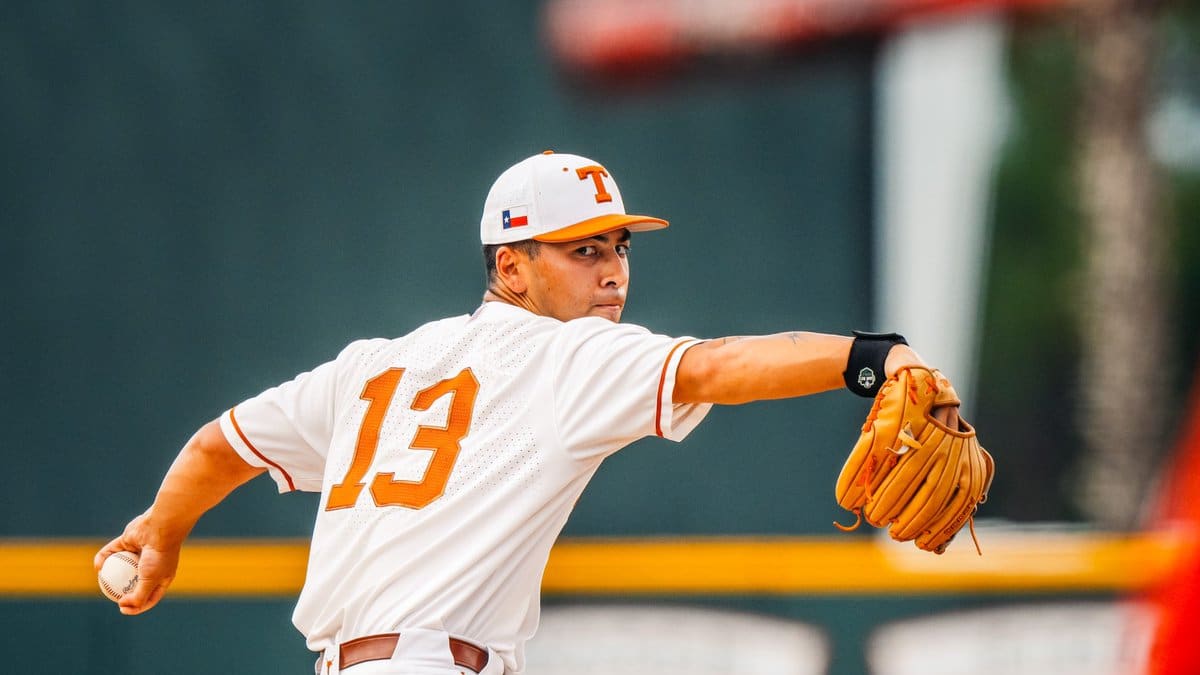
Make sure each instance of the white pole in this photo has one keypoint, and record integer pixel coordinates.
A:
(942, 113)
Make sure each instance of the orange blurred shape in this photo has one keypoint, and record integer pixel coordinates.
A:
(1175, 650)
(625, 35)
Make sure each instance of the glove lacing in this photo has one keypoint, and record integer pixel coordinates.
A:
(867, 475)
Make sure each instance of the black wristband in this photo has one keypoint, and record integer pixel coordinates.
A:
(864, 374)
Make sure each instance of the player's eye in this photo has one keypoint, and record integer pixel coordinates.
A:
(622, 250)
(586, 250)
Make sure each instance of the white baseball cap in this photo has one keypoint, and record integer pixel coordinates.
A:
(555, 197)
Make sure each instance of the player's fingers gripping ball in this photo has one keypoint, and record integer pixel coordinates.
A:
(918, 476)
(119, 575)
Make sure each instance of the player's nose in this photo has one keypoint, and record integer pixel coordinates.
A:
(614, 273)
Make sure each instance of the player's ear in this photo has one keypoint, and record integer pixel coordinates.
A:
(512, 268)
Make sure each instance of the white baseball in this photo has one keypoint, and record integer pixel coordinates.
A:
(119, 574)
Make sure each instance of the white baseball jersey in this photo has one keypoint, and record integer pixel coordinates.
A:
(448, 461)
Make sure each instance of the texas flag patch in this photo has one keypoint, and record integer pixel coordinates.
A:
(515, 217)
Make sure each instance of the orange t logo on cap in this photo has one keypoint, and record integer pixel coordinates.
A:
(595, 172)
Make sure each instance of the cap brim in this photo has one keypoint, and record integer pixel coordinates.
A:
(602, 224)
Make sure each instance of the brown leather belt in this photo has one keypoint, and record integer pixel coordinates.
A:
(380, 647)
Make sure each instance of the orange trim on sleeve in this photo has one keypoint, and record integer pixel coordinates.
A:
(238, 428)
(662, 381)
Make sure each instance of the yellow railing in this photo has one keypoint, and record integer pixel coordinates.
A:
(1012, 563)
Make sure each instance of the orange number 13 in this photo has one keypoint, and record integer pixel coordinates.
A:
(444, 441)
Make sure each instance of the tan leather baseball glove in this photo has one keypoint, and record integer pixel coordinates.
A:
(918, 468)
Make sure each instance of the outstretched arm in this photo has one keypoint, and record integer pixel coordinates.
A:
(736, 370)
(204, 473)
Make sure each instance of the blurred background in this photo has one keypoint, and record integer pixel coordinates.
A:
(201, 202)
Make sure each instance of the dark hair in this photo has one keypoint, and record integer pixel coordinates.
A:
(527, 246)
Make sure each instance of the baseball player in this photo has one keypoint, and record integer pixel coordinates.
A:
(449, 459)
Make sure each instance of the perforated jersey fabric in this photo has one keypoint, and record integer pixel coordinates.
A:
(536, 404)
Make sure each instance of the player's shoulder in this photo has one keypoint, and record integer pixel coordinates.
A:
(529, 323)
(361, 347)
(374, 345)
(594, 327)
(509, 322)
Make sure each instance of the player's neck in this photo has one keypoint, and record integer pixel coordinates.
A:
(501, 293)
